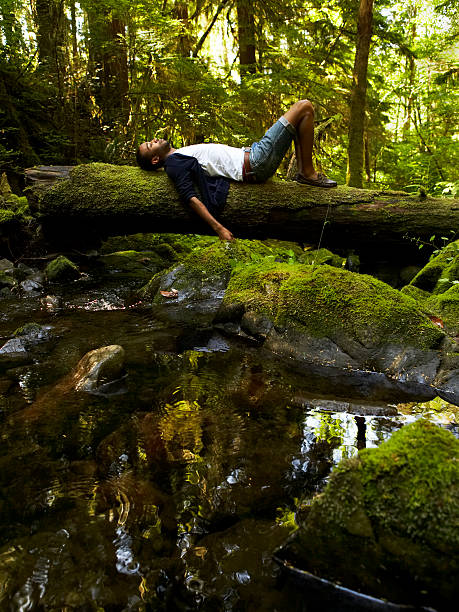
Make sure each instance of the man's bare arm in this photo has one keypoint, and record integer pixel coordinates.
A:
(205, 215)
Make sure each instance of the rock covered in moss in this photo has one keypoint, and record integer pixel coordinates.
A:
(61, 269)
(6, 280)
(441, 272)
(387, 520)
(322, 256)
(331, 316)
(163, 244)
(201, 279)
(133, 264)
(436, 288)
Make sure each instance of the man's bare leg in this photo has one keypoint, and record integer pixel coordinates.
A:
(301, 116)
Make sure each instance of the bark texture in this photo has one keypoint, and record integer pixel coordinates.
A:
(359, 94)
(246, 37)
(104, 199)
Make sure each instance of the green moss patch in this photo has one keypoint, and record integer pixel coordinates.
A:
(441, 273)
(61, 269)
(177, 244)
(322, 256)
(387, 520)
(329, 302)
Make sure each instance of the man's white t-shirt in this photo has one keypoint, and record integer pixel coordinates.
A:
(217, 159)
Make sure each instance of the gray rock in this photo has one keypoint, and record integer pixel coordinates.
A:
(33, 333)
(30, 285)
(13, 353)
(15, 345)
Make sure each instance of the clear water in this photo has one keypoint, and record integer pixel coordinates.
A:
(172, 490)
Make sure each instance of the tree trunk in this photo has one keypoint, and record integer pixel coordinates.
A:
(358, 95)
(184, 40)
(246, 37)
(19, 136)
(101, 199)
(116, 78)
(367, 158)
(52, 34)
(108, 64)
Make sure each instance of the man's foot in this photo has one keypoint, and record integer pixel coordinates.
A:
(319, 181)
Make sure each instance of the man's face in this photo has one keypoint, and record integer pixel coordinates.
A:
(156, 148)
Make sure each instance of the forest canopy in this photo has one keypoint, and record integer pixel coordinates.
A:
(88, 81)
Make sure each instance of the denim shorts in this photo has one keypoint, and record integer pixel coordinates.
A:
(266, 155)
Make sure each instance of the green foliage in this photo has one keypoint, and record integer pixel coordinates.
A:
(91, 83)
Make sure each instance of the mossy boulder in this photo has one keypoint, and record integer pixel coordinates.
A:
(134, 264)
(201, 279)
(6, 280)
(61, 269)
(386, 523)
(436, 288)
(331, 316)
(441, 272)
(322, 256)
(163, 244)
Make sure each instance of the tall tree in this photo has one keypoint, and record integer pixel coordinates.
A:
(246, 36)
(355, 152)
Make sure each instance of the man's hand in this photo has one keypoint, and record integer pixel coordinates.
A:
(205, 215)
(225, 234)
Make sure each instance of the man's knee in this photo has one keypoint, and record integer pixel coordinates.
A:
(306, 107)
(300, 110)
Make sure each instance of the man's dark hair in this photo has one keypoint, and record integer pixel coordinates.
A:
(144, 160)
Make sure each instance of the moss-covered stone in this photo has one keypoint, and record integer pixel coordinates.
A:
(207, 270)
(134, 264)
(436, 288)
(387, 521)
(441, 272)
(29, 329)
(61, 269)
(446, 305)
(6, 280)
(12, 207)
(329, 302)
(322, 256)
(171, 244)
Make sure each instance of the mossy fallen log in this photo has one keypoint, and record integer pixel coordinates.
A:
(108, 199)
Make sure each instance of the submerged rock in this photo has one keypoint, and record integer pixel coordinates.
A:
(98, 368)
(61, 269)
(387, 521)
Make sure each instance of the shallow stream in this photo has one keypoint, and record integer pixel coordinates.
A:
(172, 488)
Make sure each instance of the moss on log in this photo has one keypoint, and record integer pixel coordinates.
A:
(121, 199)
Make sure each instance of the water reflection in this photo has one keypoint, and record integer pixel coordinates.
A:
(173, 495)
